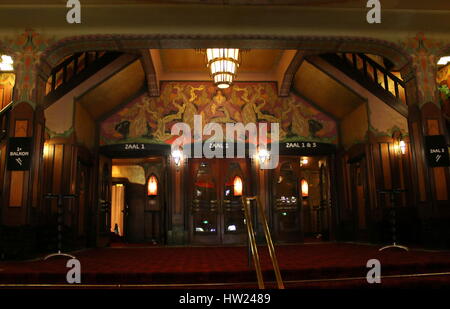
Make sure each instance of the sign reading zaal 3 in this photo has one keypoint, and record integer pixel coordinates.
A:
(19, 153)
(436, 151)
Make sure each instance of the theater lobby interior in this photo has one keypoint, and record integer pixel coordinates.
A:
(353, 170)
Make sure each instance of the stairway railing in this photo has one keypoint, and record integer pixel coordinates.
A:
(269, 242)
(374, 77)
(75, 69)
(252, 242)
(372, 70)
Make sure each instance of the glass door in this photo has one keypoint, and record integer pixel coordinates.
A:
(216, 214)
(204, 221)
(233, 188)
(287, 215)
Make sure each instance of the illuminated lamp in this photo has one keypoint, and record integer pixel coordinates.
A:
(6, 63)
(402, 146)
(222, 64)
(46, 149)
(264, 155)
(444, 60)
(152, 186)
(304, 161)
(304, 187)
(177, 155)
(237, 186)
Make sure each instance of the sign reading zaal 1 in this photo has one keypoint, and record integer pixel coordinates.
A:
(19, 153)
(436, 151)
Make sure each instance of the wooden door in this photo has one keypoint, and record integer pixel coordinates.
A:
(358, 180)
(83, 201)
(104, 201)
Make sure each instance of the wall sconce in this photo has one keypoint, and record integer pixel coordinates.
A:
(152, 186)
(399, 143)
(305, 188)
(177, 156)
(263, 155)
(45, 151)
(304, 161)
(6, 63)
(237, 186)
(402, 146)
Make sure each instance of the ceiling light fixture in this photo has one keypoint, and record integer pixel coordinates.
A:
(444, 60)
(223, 64)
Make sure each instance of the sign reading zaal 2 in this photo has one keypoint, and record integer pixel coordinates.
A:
(19, 153)
(436, 151)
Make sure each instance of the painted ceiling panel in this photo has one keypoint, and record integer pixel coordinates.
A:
(114, 91)
(189, 60)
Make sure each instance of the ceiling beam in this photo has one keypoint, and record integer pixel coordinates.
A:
(151, 75)
(288, 66)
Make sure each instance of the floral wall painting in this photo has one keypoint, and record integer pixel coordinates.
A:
(443, 81)
(149, 120)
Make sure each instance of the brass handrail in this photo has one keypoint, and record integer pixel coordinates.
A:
(269, 241)
(252, 242)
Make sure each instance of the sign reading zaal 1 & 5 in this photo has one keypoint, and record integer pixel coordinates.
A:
(19, 153)
(436, 151)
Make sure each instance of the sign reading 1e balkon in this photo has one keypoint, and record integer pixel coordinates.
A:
(19, 153)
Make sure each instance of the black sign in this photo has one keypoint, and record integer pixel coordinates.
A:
(436, 151)
(219, 149)
(132, 150)
(19, 153)
(306, 148)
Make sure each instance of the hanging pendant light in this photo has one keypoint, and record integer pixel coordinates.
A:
(222, 64)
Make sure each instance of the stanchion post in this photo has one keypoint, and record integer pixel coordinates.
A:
(393, 219)
(60, 214)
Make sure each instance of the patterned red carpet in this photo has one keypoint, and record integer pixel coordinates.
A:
(229, 265)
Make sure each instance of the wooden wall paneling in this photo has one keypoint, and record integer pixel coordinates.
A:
(419, 162)
(36, 165)
(167, 195)
(48, 181)
(2, 178)
(57, 170)
(67, 178)
(16, 184)
(371, 179)
(411, 195)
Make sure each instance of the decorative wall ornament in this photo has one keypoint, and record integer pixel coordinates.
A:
(149, 120)
(27, 49)
(425, 53)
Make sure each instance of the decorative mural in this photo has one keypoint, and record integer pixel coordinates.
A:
(384, 120)
(443, 81)
(27, 48)
(148, 119)
(424, 53)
